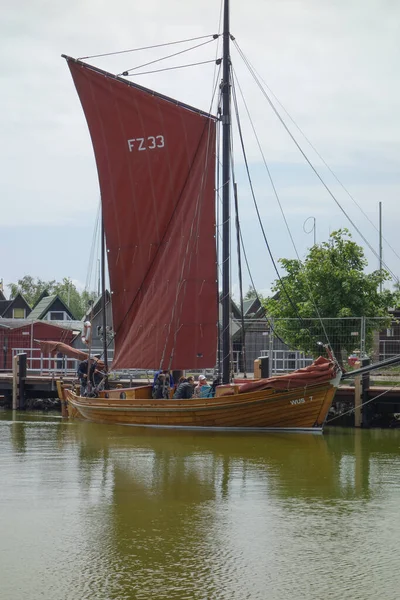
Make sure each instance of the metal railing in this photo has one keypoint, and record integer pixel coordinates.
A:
(39, 363)
(262, 339)
(45, 364)
(284, 361)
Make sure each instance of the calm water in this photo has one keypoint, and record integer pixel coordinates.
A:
(100, 512)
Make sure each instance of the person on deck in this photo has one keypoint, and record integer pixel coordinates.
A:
(91, 375)
(166, 372)
(96, 375)
(82, 372)
(202, 389)
(185, 388)
(161, 386)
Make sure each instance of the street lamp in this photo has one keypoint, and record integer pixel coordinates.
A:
(313, 228)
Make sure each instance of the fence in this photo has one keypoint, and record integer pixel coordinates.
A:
(44, 364)
(279, 339)
(39, 363)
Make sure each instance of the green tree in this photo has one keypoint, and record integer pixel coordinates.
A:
(31, 288)
(67, 291)
(330, 283)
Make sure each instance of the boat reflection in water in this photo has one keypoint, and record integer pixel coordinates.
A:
(197, 511)
(181, 515)
(281, 461)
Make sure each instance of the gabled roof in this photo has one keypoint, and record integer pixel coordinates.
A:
(4, 304)
(44, 294)
(44, 306)
(2, 296)
(41, 307)
(247, 304)
(14, 323)
(252, 307)
(97, 306)
(74, 326)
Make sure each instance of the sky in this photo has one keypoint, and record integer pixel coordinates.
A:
(332, 65)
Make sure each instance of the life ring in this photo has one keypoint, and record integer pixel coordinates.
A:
(87, 330)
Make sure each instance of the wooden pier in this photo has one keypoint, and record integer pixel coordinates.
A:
(19, 386)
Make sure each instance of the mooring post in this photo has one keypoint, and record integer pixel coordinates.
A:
(61, 395)
(15, 363)
(365, 381)
(19, 378)
(357, 400)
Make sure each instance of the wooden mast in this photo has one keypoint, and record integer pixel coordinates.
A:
(226, 150)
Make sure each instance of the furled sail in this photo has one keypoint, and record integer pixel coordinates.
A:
(156, 165)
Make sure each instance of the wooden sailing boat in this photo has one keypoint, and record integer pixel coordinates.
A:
(156, 165)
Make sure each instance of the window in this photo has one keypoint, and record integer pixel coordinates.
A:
(18, 313)
(58, 316)
(390, 332)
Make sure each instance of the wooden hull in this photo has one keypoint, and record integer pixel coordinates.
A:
(297, 409)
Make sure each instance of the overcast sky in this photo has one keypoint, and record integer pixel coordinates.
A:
(333, 65)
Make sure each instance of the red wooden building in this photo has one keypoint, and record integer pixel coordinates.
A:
(18, 335)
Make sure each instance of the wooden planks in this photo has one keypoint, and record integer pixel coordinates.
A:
(266, 409)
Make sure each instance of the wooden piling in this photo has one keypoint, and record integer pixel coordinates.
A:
(63, 401)
(357, 400)
(362, 414)
(15, 382)
(19, 378)
(365, 383)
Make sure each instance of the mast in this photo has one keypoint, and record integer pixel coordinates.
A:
(103, 294)
(226, 147)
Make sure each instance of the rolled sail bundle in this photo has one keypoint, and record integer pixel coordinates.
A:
(320, 371)
(54, 348)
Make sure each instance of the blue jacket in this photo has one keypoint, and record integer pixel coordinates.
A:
(171, 379)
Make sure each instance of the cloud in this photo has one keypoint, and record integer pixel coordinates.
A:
(332, 65)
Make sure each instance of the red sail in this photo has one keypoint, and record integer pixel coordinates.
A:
(156, 165)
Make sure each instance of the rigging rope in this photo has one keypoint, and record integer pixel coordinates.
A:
(285, 220)
(151, 62)
(194, 39)
(270, 323)
(218, 199)
(89, 271)
(239, 258)
(258, 212)
(240, 243)
(325, 163)
(204, 62)
(252, 72)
